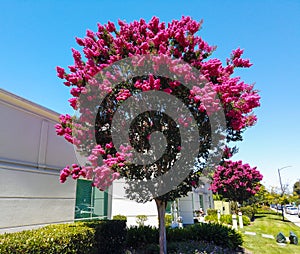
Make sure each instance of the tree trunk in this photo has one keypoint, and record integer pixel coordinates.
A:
(161, 209)
(282, 212)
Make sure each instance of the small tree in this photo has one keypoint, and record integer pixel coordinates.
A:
(236, 181)
(174, 49)
(141, 219)
(296, 188)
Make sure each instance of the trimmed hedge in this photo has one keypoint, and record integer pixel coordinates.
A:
(226, 219)
(218, 234)
(119, 217)
(80, 237)
(141, 236)
(110, 235)
(212, 211)
(64, 238)
(215, 233)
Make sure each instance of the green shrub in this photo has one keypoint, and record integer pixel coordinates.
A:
(141, 219)
(226, 219)
(108, 235)
(210, 232)
(64, 238)
(266, 210)
(119, 217)
(196, 247)
(218, 234)
(246, 220)
(249, 211)
(141, 236)
(80, 237)
(212, 218)
(212, 211)
(168, 220)
(152, 249)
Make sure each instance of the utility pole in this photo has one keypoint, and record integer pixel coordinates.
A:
(282, 191)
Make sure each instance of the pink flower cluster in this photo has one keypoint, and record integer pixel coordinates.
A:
(65, 127)
(76, 171)
(236, 180)
(238, 99)
(206, 98)
(123, 95)
(176, 41)
(147, 85)
(184, 121)
(104, 175)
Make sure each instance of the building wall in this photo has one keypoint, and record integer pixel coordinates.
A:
(193, 202)
(120, 204)
(223, 206)
(31, 156)
(185, 209)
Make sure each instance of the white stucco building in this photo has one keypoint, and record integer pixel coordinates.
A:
(31, 157)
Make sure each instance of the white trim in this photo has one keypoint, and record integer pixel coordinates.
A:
(43, 145)
(20, 103)
(28, 167)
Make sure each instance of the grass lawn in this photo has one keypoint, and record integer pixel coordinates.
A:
(270, 224)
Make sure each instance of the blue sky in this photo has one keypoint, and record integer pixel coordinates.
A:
(36, 36)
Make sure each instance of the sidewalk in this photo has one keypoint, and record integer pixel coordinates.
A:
(292, 218)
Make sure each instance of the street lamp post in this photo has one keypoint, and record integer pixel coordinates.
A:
(281, 186)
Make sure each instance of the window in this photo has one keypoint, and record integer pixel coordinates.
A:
(169, 205)
(201, 201)
(90, 202)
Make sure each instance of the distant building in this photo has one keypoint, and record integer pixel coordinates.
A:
(31, 157)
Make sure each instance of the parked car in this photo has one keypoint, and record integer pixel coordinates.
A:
(287, 207)
(292, 210)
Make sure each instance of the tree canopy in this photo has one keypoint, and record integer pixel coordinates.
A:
(196, 105)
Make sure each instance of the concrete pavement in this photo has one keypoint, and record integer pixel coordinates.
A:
(291, 217)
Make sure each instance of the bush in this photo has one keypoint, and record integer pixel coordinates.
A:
(249, 211)
(266, 210)
(210, 232)
(168, 220)
(140, 220)
(223, 236)
(108, 235)
(212, 211)
(64, 238)
(141, 236)
(80, 237)
(226, 219)
(195, 247)
(105, 237)
(119, 217)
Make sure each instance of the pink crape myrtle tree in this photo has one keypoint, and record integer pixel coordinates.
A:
(171, 56)
(236, 181)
